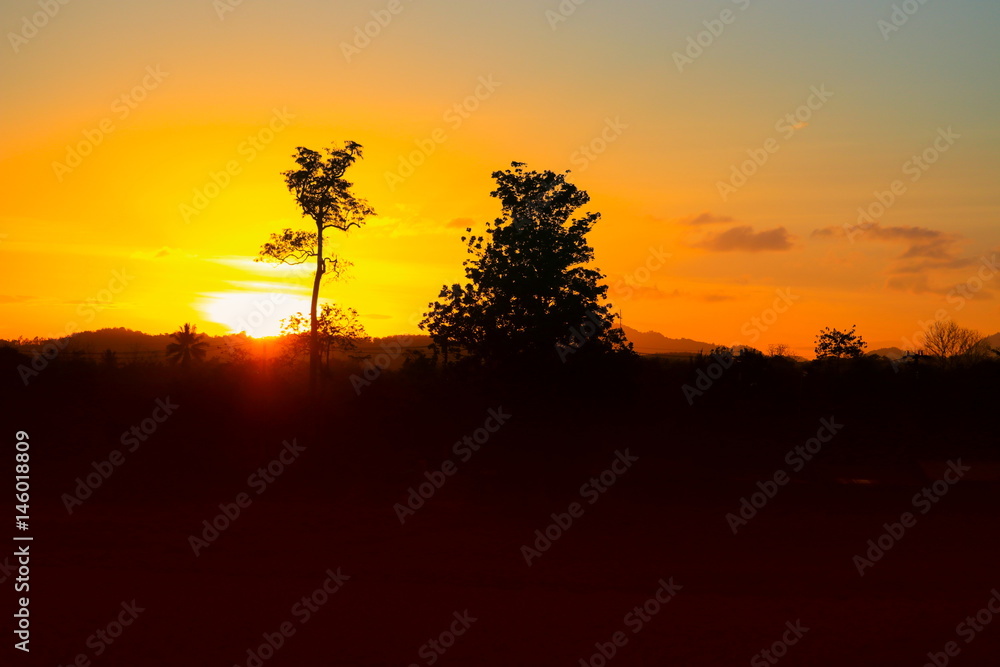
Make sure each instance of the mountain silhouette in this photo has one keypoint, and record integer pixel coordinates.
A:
(653, 342)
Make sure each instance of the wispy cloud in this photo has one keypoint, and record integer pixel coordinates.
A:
(922, 242)
(745, 239)
(12, 298)
(706, 218)
(927, 253)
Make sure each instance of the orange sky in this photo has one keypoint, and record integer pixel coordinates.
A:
(161, 96)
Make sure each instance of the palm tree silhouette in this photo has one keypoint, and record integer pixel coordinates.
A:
(187, 346)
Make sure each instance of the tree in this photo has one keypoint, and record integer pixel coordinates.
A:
(947, 339)
(188, 346)
(324, 196)
(528, 291)
(236, 350)
(839, 344)
(778, 350)
(337, 329)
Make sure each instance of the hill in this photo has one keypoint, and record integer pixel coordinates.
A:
(653, 342)
(888, 352)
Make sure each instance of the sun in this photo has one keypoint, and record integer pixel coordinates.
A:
(258, 314)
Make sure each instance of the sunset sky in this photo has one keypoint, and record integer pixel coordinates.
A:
(161, 96)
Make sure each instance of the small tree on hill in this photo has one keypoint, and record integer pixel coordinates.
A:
(839, 344)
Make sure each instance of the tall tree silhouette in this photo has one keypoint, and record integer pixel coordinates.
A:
(188, 346)
(529, 291)
(324, 196)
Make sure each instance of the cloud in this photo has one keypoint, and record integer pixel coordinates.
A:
(745, 239)
(957, 275)
(828, 233)
(10, 298)
(715, 298)
(936, 249)
(928, 253)
(642, 291)
(922, 242)
(461, 223)
(926, 250)
(904, 233)
(704, 218)
(96, 303)
(934, 263)
(654, 292)
(164, 251)
(915, 284)
(707, 218)
(269, 287)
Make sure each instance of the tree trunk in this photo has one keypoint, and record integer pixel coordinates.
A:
(313, 321)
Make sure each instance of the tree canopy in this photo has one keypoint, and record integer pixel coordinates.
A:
(529, 290)
(188, 345)
(833, 343)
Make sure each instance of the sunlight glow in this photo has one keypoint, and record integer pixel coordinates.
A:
(258, 314)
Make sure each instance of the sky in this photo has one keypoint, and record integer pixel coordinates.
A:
(763, 169)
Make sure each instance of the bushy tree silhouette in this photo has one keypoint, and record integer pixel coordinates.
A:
(188, 346)
(529, 292)
(324, 196)
(833, 343)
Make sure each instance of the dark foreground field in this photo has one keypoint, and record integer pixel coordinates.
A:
(459, 556)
